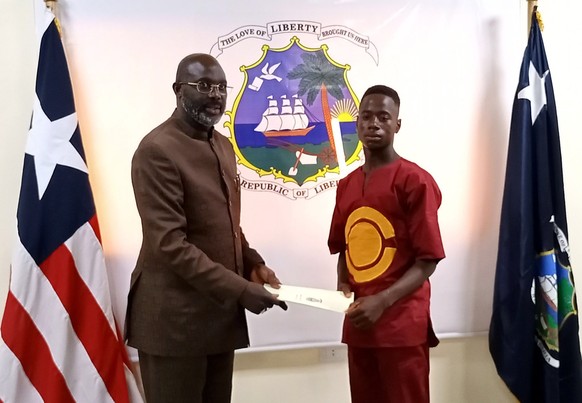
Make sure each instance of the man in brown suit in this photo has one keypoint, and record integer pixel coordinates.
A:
(196, 273)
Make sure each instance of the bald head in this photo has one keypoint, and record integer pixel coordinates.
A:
(197, 65)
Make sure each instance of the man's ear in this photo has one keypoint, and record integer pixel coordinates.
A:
(176, 88)
(399, 125)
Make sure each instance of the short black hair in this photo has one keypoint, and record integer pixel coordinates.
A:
(384, 90)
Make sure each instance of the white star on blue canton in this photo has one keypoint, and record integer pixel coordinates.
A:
(535, 91)
(49, 143)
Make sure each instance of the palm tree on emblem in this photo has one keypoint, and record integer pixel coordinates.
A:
(316, 74)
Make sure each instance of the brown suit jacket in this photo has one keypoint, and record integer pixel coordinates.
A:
(194, 256)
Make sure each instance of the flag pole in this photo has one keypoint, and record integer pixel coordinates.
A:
(531, 6)
(51, 5)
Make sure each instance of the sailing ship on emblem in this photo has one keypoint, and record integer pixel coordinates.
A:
(289, 120)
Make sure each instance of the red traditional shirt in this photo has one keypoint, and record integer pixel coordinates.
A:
(383, 226)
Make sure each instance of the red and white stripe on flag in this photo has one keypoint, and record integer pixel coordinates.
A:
(59, 339)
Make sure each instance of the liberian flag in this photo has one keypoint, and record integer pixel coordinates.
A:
(59, 340)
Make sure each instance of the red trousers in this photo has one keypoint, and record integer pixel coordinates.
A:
(389, 374)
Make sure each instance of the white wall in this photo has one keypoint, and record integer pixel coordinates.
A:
(462, 370)
(17, 58)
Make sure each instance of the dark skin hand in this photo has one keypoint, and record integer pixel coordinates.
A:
(255, 298)
(365, 311)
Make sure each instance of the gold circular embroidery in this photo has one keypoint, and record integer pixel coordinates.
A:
(368, 255)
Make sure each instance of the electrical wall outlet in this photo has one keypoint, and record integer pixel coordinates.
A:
(332, 354)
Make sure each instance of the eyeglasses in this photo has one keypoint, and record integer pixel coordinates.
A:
(205, 88)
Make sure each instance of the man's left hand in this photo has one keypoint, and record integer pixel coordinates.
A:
(365, 311)
(261, 274)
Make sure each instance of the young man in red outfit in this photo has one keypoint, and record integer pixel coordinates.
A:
(385, 229)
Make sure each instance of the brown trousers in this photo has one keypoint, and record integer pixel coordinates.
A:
(204, 379)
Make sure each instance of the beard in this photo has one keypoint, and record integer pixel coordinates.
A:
(197, 113)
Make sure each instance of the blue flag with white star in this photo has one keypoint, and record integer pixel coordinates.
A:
(533, 337)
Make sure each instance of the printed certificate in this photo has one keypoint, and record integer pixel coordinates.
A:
(316, 297)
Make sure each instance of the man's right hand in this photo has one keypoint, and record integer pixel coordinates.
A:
(256, 299)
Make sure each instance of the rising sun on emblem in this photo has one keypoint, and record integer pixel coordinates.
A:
(344, 110)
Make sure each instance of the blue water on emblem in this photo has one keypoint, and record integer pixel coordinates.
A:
(247, 136)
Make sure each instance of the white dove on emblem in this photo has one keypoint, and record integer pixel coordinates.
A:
(268, 72)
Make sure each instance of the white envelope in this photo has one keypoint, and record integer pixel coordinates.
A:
(316, 297)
